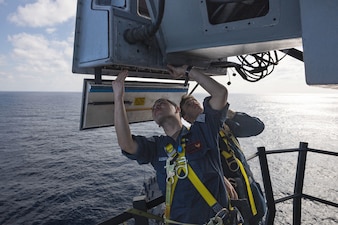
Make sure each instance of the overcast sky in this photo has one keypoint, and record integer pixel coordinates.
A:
(36, 50)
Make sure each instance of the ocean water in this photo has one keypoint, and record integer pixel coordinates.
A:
(52, 173)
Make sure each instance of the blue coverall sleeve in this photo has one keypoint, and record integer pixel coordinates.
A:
(243, 125)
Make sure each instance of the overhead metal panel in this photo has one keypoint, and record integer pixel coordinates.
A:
(190, 33)
(320, 41)
(186, 30)
(98, 101)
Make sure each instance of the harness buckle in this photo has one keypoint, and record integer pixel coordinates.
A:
(182, 167)
(170, 168)
(222, 213)
(215, 221)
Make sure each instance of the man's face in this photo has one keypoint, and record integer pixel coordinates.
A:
(162, 109)
(191, 108)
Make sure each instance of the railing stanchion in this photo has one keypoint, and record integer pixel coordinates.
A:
(299, 183)
(139, 202)
(271, 212)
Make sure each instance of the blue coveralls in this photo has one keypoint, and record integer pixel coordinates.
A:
(243, 125)
(202, 153)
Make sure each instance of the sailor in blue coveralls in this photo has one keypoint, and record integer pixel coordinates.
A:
(201, 141)
(251, 201)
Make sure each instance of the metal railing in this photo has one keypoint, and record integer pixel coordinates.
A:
(298, 194)
(141, 205)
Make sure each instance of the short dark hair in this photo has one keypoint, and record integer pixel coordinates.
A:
(165, 99)
(184, 98)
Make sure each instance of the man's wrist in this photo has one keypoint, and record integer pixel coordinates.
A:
(187, 71)
(186, 75)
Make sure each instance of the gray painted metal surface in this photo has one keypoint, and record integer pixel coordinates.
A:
(189, 35)
(98, 101)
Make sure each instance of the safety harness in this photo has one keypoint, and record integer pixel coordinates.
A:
(250, 209)
(177, 167)
(235, 164)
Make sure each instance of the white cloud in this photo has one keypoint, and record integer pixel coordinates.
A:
(39, 63)
(2, 2)
(36, 53)
(44, 13)
(50, 30)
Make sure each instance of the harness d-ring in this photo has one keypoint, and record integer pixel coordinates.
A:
(181, 167)
(232, 164)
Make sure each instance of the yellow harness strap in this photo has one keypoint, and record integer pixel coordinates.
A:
(228, 153)
(183, 171)
(201, 188)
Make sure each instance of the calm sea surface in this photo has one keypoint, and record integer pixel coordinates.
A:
(52, 173)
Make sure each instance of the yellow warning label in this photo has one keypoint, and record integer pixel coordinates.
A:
(139, 101)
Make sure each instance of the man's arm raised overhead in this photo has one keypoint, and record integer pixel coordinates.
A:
(121, 122)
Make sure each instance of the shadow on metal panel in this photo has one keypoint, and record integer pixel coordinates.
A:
(98, 101)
